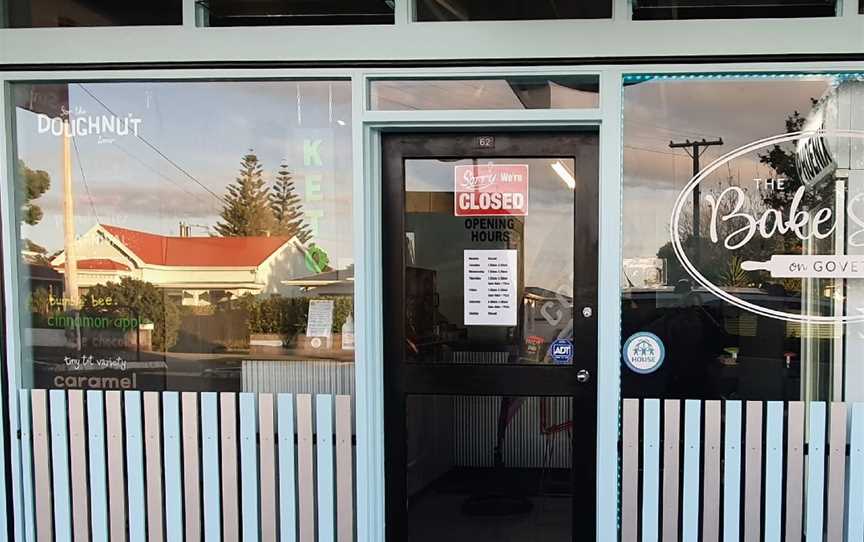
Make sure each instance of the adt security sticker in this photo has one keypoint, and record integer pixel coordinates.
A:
(561, 352)
(644, 352)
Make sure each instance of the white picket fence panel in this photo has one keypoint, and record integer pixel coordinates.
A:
(741, 471)
(172, 466)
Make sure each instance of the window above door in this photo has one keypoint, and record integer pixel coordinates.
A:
(503, 10)
(732, 9)
(577, 91)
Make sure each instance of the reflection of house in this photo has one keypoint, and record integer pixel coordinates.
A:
(197, 270)
(44, 277)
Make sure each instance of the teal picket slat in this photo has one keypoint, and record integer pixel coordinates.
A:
(173, 471)
(814, 516)
(135, 467)
(324, 447)
(97, 466)
(732, 472)
(287, 468)
(855, 515)
(690, 508)
(651, 470)
(249, 466)
(774, 472)
(210, 466)
(60, 466)
(27, 466)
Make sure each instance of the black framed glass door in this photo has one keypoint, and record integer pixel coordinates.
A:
(490, 290)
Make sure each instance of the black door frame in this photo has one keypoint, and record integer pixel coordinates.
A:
(402, 378)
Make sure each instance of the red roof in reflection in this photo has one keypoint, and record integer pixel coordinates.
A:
(197, 251)
(101, 264)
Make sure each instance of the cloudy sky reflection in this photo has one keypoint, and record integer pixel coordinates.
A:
(737, 110)
(204, 128)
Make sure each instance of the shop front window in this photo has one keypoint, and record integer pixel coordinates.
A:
(489, 10)
(514, 92)
(743, 260)
(54, 13)
(185, 235)
(293, 12)
(732, 9)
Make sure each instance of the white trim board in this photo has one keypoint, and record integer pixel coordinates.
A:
(435, 41)
(368, 280)
(11, 303)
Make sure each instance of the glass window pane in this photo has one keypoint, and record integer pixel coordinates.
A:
(186, 235)
(530, 92)
(53, 13)
(296, 12)
(499, 10)
(490, 468)
(438, 242)
(748, 273)
(731, 9)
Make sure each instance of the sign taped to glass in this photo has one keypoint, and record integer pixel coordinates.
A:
(491, 190)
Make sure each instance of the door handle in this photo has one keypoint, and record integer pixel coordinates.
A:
(583, 376)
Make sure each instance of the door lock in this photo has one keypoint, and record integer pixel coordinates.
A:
(587, 312)
(583, 376)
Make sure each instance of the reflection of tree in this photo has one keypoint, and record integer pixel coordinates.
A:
(251, 209)
(246, 212)
(144, 300)
(39, 302)
(782, 161)
(35, 183)
(716, 261)
(722, 266)
(733, 275)
(288, 315)
(287, 211)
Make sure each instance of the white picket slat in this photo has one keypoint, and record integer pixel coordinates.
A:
(116, 476)
(344, 471)
(42, 467)
(305, 469)
(191, 466)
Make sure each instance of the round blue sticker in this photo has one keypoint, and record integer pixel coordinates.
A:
(561, 351)
(644, 352)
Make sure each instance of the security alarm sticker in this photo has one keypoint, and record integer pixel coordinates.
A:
(644, 352)
(490, 287)
(561, 352)
(491, 190)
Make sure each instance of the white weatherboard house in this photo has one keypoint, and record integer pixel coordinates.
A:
(194, 267)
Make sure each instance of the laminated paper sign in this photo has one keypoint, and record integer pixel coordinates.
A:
(320, 319)
(490, 287)
(491, 190)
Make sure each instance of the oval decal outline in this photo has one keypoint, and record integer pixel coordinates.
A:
(695, 274)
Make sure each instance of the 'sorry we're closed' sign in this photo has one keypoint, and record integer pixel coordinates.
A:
(491, 190)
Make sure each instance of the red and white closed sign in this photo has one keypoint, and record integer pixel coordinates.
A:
(491, 190)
